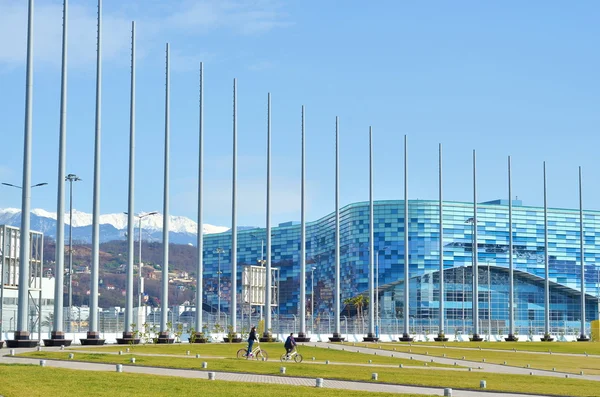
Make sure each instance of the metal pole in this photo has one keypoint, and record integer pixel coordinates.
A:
(219, 251)
(93, 324)
(463, 299)
(511, 293)
(130, 208)
(5, 245)
(200, 234)
(24, 255)
(489, 303)
(371, 334)
(406, 334)
(377, 294)
(140, 282)
(547, 265)
(302, 238)
(474, 249)
(312, 299)
(70, 252)
(165, 268)
(234, 214)
(442, 293)
(336, 333)
(60, 204)
(582, 335)
(268, 291)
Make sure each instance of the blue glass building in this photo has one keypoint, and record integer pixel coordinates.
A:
(492, 251)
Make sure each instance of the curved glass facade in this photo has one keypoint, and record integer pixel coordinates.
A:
(492, 251)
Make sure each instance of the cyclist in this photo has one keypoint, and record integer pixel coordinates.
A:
(251, 338)
(290, 344)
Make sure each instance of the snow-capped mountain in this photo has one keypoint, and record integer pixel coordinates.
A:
(182, 230)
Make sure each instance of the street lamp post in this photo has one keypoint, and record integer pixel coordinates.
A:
(141, 277)
(71, 178)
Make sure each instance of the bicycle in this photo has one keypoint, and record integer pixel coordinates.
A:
(294, 355)
(257, 353)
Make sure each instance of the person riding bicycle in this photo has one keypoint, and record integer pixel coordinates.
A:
(290, 344)
(251, 338)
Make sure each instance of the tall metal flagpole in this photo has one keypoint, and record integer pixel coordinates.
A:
(475, 337)
(406, 334)
(58, 333)
(200, 234)
(93, 336)
(336, 334)
(511, 292)
(21, 336)
(267, 310)
(233, 311)
(582, 335)
(127, 333)
(371, 336)
(441, 335)
(164, 336)
(302, 335)
(547, 337)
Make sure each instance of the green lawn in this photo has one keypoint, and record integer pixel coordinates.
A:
(33, 381)
(546, 361)
(591, 348)
(274, 350)
(409, 376)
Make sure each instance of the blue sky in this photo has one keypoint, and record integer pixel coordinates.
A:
(505, 78)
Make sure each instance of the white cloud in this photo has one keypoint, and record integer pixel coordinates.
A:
(156, 22)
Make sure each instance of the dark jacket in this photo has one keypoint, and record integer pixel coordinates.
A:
(252, 336)
(290, 342)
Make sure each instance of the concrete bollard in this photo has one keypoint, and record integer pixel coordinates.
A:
(374, 376)
(62, 347)
(370, 361)
(342, 349)
(401, 366)
(120, 352)
(432, 360)
(482, 384)
(127, 350)
(566, 375)
(204, 365)
(375, 353)
(531, 373)
(425, 364)
(187, 353)
(411, 357)
(426, 353)
(197, 356)
(528, 366)
(71, 355)
(42, 363)
(447, 392)
(463, 357)
(282, 370)
(581, 373)
(319, 382)
(470, 369)
(505, 363)
(132, 360)
(455, 363)
(12, 352)
(327, 362)
(392, 354)
(444, 355)
(119, 368)
(553, 369)
(394, 349)
(211, 376)
(313, 359)
(483, 360)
